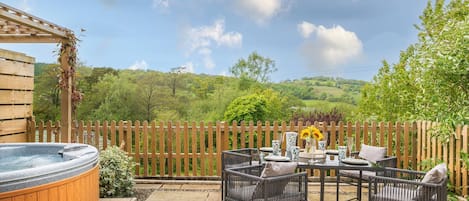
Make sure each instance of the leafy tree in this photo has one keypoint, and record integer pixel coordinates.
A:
(251, 107)
(256, 68)
(46, 102)
(148, 90)
(431, 79)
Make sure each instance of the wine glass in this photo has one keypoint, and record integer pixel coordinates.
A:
(350, 143)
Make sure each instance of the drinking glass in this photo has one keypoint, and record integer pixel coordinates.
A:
(350, 143)
(322, 146)
(295, 153)
(276, 148)
(342, 151)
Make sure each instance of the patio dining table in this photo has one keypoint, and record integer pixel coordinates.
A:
(332, 163)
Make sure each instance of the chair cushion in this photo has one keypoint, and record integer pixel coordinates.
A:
(436, 174)
(391, 193)
(241, 193)
(372, 153)
(356, 174)
(273, 169)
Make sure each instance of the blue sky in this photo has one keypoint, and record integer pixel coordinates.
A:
(345, 38)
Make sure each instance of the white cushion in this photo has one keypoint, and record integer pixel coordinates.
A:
(273, 169)
(436, 174)
(372, 153)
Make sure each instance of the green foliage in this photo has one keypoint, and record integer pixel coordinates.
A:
(256, 68)
(251, 107)
(115, 173)
(430, 81)
(46, 103)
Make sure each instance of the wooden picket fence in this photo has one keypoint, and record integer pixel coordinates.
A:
(192, 150)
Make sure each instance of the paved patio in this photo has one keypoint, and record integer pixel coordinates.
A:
(210, 190)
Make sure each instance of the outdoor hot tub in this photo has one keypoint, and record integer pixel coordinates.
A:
(49, 171)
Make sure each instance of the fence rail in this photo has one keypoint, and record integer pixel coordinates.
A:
(193, 149)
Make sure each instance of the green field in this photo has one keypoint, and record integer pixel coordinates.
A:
(325, 106)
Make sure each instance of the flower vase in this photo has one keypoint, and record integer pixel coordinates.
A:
(310, 146)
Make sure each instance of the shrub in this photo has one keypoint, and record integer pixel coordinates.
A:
(115, 173)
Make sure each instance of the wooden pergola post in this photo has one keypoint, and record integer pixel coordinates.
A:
(66, 99)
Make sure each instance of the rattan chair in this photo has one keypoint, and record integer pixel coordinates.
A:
(373, 154)
(237, 158)
(405, 185)
(246, 184)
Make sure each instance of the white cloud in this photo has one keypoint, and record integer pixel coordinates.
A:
(188, 67)
(202, 39)
(207, 58)
(161, 5)
(329, 47)
(25, 6)
(306, 29)
(139, 65)
(261, 11)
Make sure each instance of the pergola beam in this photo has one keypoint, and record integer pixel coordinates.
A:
(24, 19)
(29, 39)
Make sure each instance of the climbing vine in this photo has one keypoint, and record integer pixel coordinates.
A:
(69, 47)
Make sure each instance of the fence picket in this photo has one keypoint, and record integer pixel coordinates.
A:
(186, 148)
(458, 155)
(113, 133)
(243, 135)
(464, 185)
(153, 148)
(105, 134)
(49, 131)
(398, 144)
(194, 149)
(145, 148)
(202, 149)
(210, 148)
(169, 145)
(390, 132)
(251, 134)
(406, 145)
(162, 140)
(234, 134)
(121, 132)
(177, 134)
(259, 134)
(89, 133)
(137, 147)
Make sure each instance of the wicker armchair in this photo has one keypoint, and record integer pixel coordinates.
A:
(246, 183)
(406, 185)
(237, 158)
(372, 154)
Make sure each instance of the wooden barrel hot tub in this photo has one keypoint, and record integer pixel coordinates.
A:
(48, 171)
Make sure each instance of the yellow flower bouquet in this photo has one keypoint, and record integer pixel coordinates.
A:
(308, 134)
(311, 132)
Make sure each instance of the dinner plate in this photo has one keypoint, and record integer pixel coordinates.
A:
(266, 149)
(276, 158)
(354, 161)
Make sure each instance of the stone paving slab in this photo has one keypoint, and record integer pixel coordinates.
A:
(178, 196)
(211, 192)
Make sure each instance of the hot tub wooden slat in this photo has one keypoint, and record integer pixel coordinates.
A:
(81, 187)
